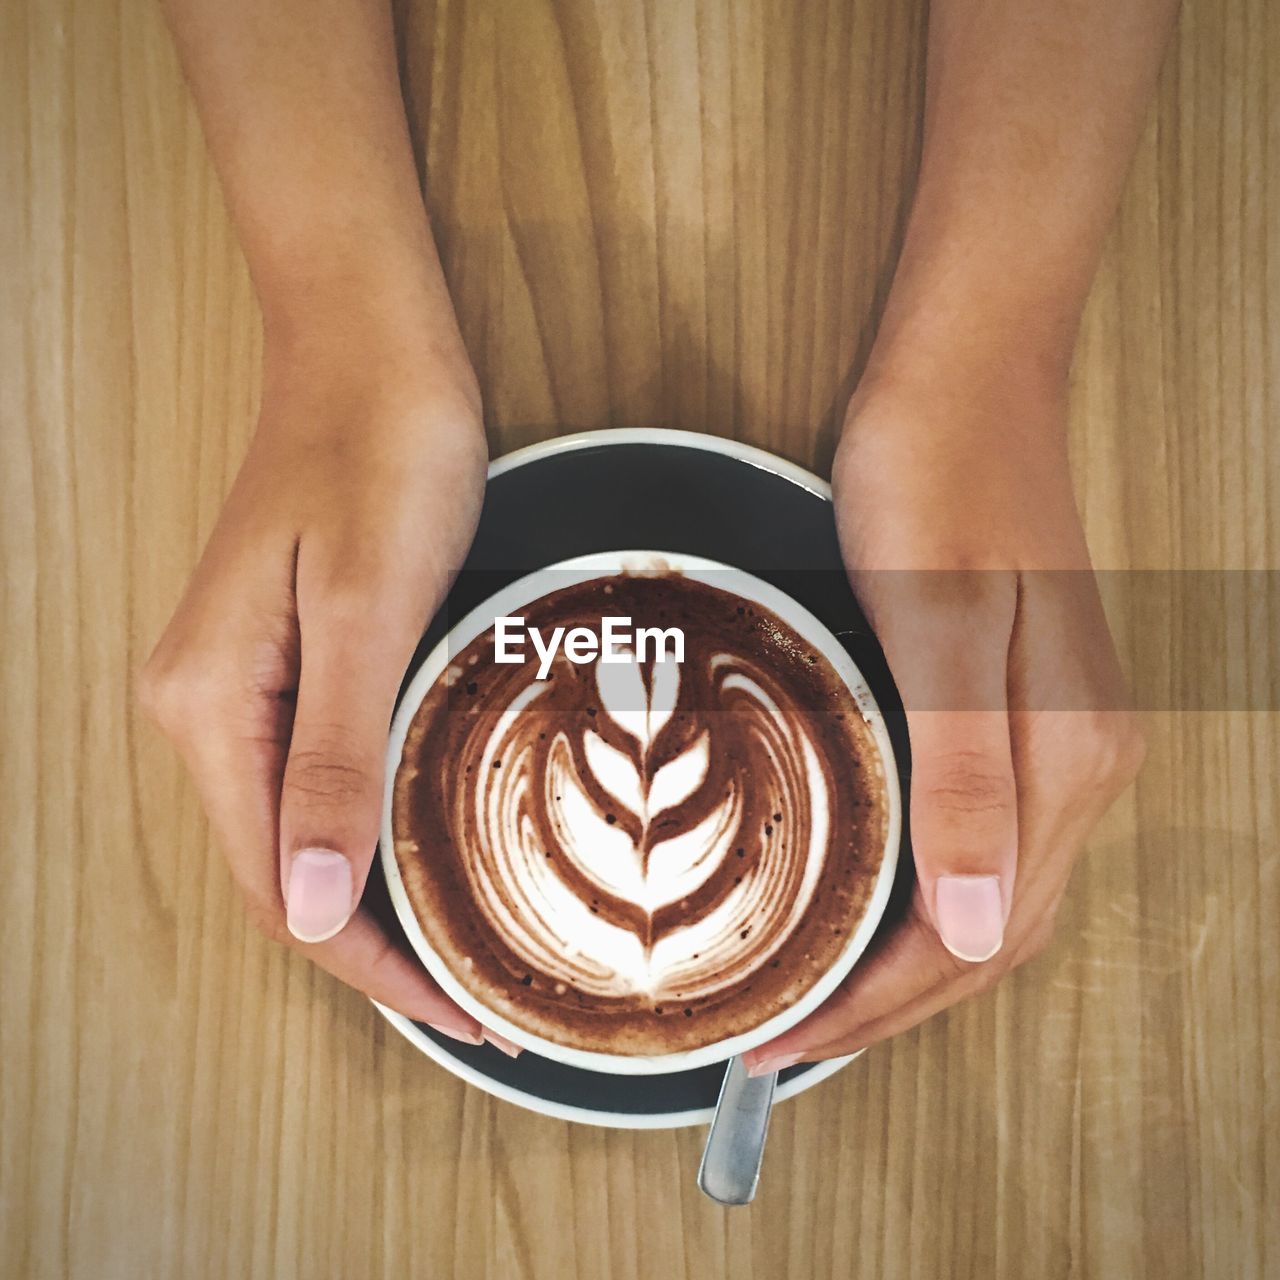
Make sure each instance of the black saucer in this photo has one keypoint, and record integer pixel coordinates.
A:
(659, 491)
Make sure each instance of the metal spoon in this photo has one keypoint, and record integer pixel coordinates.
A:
(730, 1165)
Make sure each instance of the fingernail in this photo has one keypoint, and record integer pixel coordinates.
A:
(464, 1034)
(319, 901)
(501, 1042)
(970, 916)
(780, 1063)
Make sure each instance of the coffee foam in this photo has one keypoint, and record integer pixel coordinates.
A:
(640, 858)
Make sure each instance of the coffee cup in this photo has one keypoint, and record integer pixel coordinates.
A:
(422, 912)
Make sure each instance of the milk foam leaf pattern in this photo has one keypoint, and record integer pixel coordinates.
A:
(622, 858)
(622, 866)
(674, 828)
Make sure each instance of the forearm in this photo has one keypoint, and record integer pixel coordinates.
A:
(302, 112)
(1033, 111)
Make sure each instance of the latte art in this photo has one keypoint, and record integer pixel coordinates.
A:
(643, 894)
(641, 856)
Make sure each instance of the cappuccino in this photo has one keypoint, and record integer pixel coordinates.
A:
(628, 854)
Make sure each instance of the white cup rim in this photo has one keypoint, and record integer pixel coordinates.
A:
(525, 590)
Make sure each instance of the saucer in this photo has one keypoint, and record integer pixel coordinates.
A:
(592, 1097)
(671, 491)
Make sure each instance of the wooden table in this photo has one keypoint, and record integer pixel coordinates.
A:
(669, 214)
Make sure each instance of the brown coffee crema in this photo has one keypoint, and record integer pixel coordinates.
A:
(641, 858)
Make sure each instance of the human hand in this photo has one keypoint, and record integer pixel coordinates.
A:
(961, 536)
(277, 676)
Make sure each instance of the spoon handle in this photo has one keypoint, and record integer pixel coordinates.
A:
(731, 1159)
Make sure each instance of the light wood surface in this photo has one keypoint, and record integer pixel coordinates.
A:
(669, 214)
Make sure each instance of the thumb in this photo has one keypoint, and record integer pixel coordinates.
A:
(332, 794)
(946, 638)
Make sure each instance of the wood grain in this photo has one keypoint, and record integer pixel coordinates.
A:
(664, 213)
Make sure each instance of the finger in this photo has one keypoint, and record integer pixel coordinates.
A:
(964, 826)
(906, 964)
(946, 638)
(238, 775)
(861, 1032)
(974, 980)
(910, 976)
(364, 957)
(884, 1005)
(237, 765)
(356, 641)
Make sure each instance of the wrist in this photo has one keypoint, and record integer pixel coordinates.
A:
(369, 329)
(963, 365)
(325, 280)
(975, 338)
(373, 366)
(967, 397)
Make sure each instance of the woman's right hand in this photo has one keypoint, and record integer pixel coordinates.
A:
(277, 676)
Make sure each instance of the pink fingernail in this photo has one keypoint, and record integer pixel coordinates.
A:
(319, 901)
(780, 1063)
(970, 914)
(502, 1043)
(464, 1034)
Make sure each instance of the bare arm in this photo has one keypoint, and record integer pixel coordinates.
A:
(358, 497)
(954, 503)
(1032, 114)
(301, 108)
